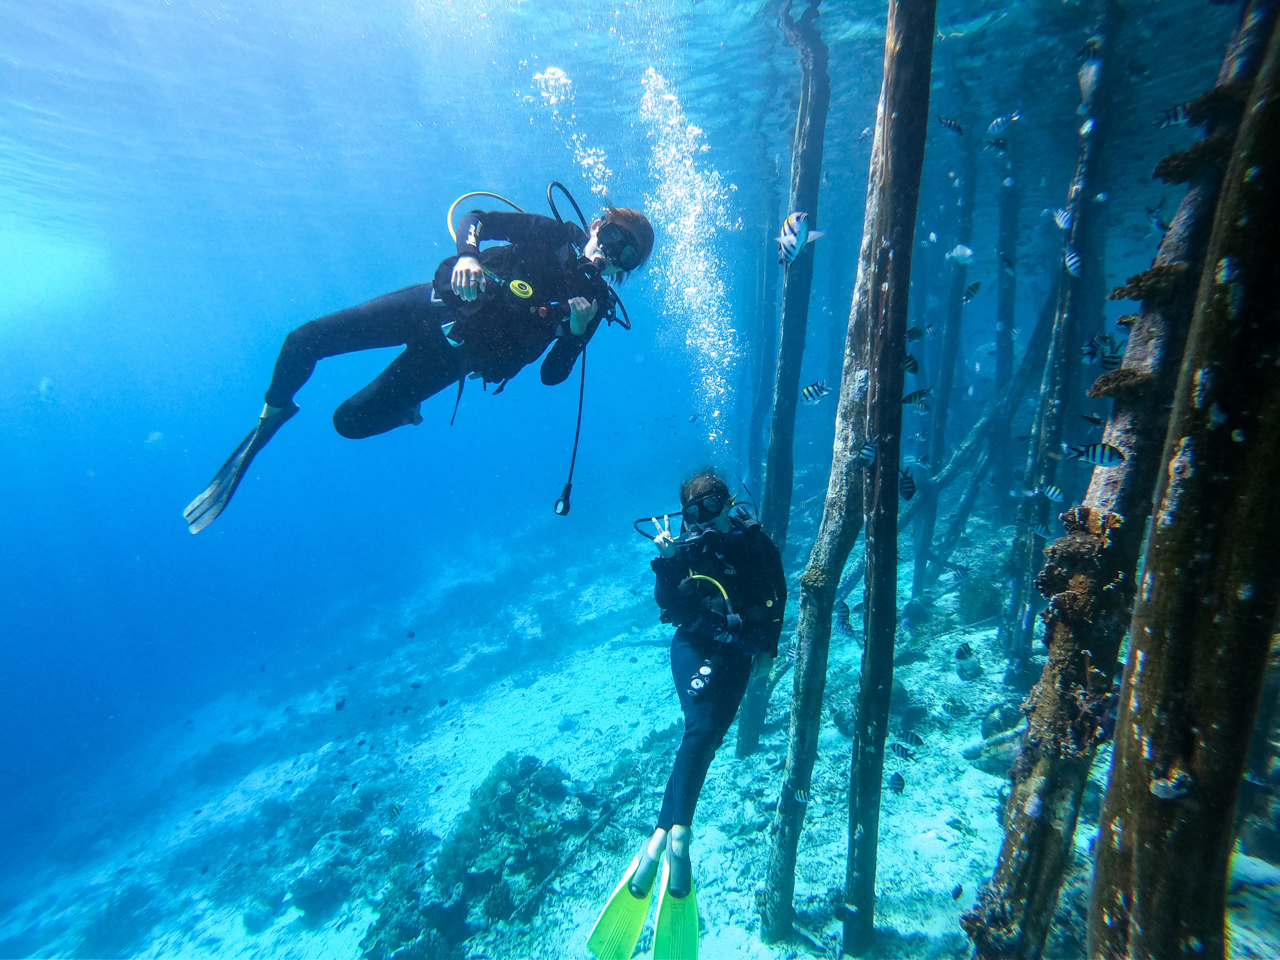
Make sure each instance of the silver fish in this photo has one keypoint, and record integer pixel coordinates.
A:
(999, 123)
(960, 254)
(794, 237)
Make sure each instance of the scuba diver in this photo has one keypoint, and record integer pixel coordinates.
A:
(721, 583)
(486, 315)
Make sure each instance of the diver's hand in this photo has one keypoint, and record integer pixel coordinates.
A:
(580, 314)
(468, 278)
(664, 541)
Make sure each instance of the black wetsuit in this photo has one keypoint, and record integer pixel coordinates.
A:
(749, 567)
(494, 336)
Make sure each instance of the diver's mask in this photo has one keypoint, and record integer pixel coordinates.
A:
(619, 246)
(704, 509)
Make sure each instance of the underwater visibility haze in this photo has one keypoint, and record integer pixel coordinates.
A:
(395, 700)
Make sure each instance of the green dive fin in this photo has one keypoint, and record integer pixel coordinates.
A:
(617, 931)
(675, 936)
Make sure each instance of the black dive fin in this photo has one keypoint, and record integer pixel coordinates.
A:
(204, 509)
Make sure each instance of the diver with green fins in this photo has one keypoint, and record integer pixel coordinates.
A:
(486, 315)
(721, 583)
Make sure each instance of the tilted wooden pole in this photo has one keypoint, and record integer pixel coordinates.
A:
(1089, 579)
(884, 280)
(879, 302)
(806, 169)
(1209, 593)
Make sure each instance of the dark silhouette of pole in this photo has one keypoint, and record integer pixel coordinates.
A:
(927, 516)
(806, 169)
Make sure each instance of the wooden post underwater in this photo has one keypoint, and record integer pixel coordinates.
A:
(1010, 199)
(765, 348)
(1209, 594)
(1089, 583)
(1078, 219)
(884, 282)
(927, 512)
(806, 169)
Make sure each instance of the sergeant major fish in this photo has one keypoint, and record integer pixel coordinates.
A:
(794, 237)
(814, 392)
(1098, 454)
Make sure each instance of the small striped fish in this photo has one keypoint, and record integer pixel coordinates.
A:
(793, 650)
(1062, 217)
(1112, 359)
(911, 364)
(999, 144)
(897, 783)
(971, 290)
(900, 750)
(914, 333)
(1041, 531)
(794, 237)
(914, 739)
(906, 485)
(867, 452)
(916, 397)
(1050, 492)
(1072, 260)
(842, 617)
(802, 796)
(814, 392)
(1099, 454)
(999, 124)
(952, 125)
(1174, 116)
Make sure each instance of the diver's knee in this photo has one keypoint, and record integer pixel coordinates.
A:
(301, 341)
(351, 426)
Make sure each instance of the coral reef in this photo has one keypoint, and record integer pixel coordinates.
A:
(1155, 283)
(1202, 157)
(1123, 382)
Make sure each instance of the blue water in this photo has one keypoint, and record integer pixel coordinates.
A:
(183, 183)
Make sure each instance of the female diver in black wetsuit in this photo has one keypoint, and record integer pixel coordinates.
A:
(487, 314)
(722, 584)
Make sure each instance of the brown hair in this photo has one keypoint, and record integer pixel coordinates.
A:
(636, 224)
(703, 483)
